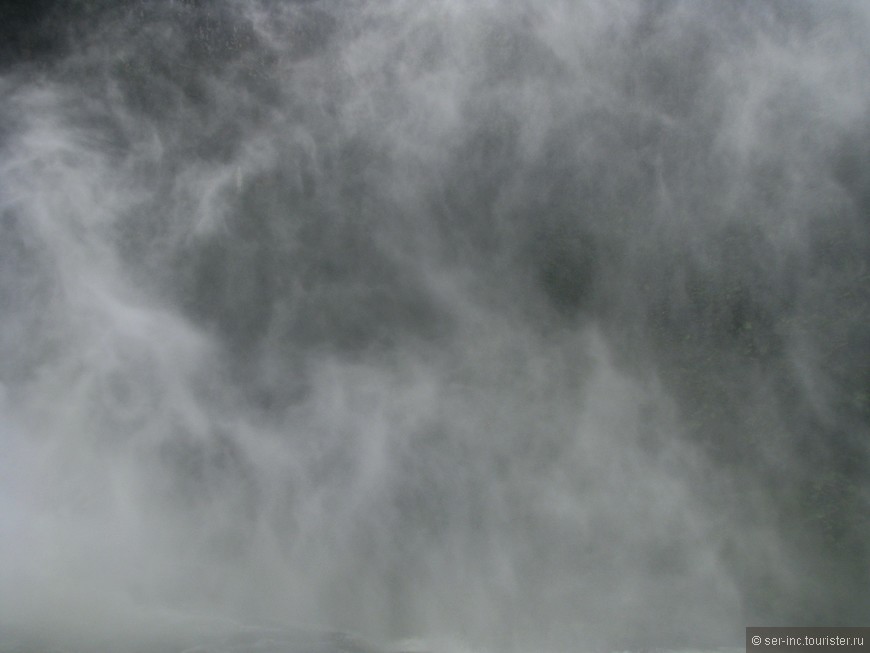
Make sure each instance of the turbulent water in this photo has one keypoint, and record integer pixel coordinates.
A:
(501, 324)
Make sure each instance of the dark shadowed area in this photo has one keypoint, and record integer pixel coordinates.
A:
(494, 325)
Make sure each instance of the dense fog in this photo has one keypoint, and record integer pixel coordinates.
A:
(509, 325)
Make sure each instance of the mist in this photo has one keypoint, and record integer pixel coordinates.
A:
(503, 325)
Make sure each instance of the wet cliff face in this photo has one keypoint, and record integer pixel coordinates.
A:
(494, 322)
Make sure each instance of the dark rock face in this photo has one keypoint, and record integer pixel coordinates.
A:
(23, 33)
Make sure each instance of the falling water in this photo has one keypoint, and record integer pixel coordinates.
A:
(502, 325)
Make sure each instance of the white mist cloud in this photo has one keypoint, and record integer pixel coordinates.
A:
(518, 326)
